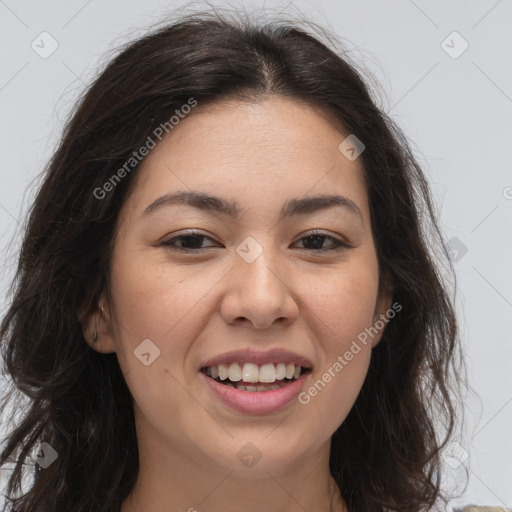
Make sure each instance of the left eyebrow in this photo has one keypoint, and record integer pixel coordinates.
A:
(295, 206)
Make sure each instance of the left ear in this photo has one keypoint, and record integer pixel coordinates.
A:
(97, 327)
(381, 315)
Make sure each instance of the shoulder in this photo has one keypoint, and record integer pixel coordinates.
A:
(474, 508)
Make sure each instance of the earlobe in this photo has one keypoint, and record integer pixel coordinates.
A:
(381, 315)
(90, 333)
(97, 330)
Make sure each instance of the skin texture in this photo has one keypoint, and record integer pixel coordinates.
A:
(197, 306)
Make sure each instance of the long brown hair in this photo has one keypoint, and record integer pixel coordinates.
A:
(386, 454)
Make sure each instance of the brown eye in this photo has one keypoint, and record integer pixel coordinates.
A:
(193, 242)
(317, 239)
(190, 242)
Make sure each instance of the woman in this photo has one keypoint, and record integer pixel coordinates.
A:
(302, 359)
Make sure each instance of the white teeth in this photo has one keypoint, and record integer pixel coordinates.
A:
(251, 372)
(253, 389)
(280, 371)
(268, 373)
(234, 372)
(223, 372)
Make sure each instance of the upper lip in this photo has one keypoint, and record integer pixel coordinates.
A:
(276, 355)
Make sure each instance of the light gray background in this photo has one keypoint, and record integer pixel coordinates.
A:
(456, 112)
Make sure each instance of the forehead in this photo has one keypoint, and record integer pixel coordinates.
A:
(249, 152)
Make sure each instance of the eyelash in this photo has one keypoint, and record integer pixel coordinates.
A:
(336, 246)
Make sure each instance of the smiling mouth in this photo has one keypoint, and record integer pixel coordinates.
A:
(255, 378)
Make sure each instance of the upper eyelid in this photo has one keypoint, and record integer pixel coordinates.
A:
(313, 232)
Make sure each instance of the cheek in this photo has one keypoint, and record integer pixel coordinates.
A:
(165, 305)
(344, 307)
(345, 300)
(336, 383)
(152, 300)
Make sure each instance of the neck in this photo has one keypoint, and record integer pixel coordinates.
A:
(231, 495)
(174, 478)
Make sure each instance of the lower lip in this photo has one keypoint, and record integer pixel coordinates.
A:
(256, 402)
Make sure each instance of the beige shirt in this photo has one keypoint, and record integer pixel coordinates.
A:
(474, 508)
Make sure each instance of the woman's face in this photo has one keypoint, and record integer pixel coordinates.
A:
(259, 287)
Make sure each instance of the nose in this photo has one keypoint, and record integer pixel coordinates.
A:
(260, 293)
